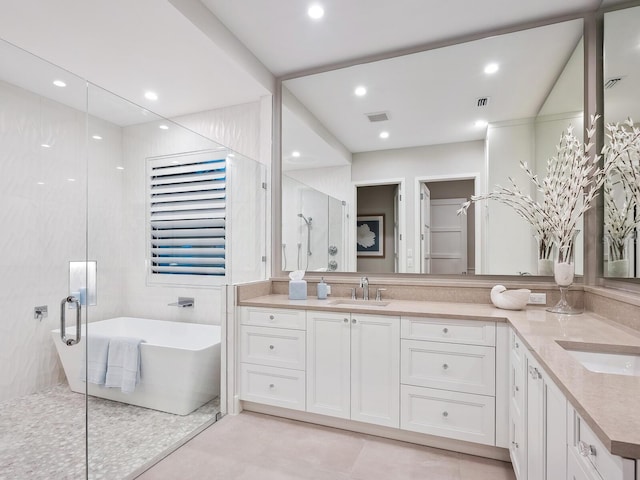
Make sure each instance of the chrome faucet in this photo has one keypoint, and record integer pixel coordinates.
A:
(364, 284)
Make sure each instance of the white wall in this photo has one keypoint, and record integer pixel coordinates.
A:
(508, 242)
(45, 227)
(455, 160)
(143, 141)
(100, 216)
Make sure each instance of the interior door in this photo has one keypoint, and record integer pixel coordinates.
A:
(448, 237)
(425, 228)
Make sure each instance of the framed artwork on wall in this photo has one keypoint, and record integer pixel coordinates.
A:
(370, 237)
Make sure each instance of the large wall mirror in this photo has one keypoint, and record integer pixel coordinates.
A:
(621, 101)
(400, 143)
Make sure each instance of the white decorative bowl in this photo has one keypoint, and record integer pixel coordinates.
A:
(509, 299)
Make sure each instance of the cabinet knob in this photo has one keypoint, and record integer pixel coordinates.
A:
(271, 385)
(353, 321)
(585, 449)
(445, 414)
(445, 366)
(517, 388)
(445, 330)
(271, 347)
(271, 317)
(517, 345)
(346, 320)
(515, 444)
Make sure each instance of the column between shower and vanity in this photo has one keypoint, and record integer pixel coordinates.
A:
(465, 377)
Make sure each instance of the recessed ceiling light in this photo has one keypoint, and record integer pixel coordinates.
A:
(97, 137)
(59, 83)
(491, 68)
(71, 179)
(384, 134)
(481, 123)
(295, 154)
(360, 91)
(163, 127)
(151, 95)
(40, 183)
(119, 168)
(232, 155)
(45, 145)
(316, 11)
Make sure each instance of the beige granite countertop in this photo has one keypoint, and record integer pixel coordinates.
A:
(607, 402)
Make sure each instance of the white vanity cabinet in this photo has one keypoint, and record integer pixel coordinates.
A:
(517, 405)
(546, 425)
(537, 416)
(448, 377)
(272, 357)
(353, 366)
(588, 459)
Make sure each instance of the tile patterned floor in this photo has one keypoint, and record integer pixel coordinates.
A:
(42, 436)
(252, 446)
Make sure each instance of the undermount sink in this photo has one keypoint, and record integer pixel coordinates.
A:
(359, 303)
(606, 362)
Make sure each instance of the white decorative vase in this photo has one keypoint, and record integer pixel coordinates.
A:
(564, 269)
(545, 267)
(618, 268)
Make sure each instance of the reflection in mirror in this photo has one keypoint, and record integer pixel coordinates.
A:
(621, 101)
(313, 235)
(430, 122)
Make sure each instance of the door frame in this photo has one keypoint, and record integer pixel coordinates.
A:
(402, 234)
(475, 176)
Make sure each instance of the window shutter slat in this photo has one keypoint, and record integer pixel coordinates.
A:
(187, 211)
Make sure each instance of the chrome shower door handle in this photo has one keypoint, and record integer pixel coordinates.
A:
(63, 326)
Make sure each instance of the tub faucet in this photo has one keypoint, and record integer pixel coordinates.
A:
(364, 284)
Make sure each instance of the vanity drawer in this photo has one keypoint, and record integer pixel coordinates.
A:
(471, 332)
(272, 317)
(589, 451)
(463, 368)
(280, 387)
(276, 347)
(462, 416)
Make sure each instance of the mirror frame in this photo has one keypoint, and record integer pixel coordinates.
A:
(593, 26)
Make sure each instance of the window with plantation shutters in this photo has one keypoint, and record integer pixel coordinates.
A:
(187, 215)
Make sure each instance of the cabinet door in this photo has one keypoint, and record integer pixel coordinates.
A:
(328, 363)
(375, 369)
(517, 415)
(535, 422)
(555, 430)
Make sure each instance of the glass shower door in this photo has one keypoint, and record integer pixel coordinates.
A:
(43, 200)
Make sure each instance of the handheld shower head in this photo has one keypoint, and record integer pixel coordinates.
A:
(306, 220)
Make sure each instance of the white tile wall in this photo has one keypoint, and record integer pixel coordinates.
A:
(99, 216)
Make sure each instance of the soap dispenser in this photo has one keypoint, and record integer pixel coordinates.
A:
(322, 289)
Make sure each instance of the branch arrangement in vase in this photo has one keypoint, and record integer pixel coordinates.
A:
(622, 151)
(568, 189)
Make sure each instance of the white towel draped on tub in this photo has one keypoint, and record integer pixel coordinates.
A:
(123, 364)
(97, 352)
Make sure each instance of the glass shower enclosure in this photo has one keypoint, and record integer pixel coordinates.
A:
(92, 233)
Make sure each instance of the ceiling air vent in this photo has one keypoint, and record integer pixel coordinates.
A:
(612, 82)
(378, 116)
(482, 101)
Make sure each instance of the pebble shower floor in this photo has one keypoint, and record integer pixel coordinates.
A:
(42, 436)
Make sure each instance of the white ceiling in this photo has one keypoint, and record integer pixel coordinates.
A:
(286, 40)
(128, 47)
(431, 96)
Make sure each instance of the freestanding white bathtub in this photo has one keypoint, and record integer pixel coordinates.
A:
(180, 363)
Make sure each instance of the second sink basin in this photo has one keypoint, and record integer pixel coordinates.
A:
(605, 362)
(359, 303)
